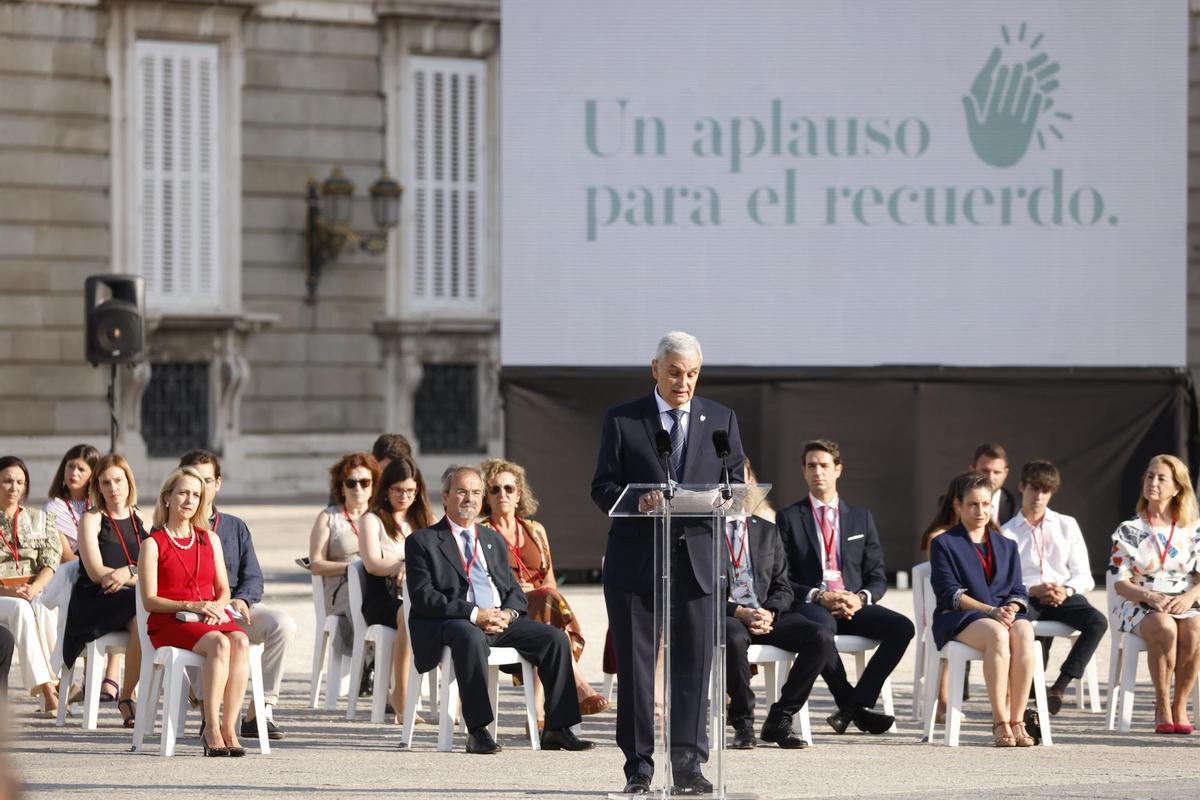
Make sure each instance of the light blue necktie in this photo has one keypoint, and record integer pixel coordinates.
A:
(480, 585)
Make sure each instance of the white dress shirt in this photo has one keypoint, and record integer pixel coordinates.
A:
(818, 519)
(664, 413)
(1053, 552)
(480, 562)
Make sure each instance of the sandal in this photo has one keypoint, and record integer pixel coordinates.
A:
(1002, 738)
(1022, 738)
(594, 704)
(128, 719)
(108, 695)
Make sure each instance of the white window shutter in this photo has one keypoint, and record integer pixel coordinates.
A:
(178, 235)
(446, 129)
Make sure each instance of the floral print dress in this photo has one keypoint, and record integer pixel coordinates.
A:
(1137, 557)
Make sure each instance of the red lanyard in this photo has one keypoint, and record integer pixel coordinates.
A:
(1162, 552)
(474, 556)
(989, 565)
(353, 527)
(71, 510)
(737, 560)
(827, 536)
(514, 551)
(120, 536)
(14, 546)
(194, 577)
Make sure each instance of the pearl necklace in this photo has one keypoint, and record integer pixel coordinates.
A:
(172, 539)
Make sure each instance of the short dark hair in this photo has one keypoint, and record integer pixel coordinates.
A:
(824, 446)
(991, 450)
(201, 456)
(391, 445)
(1041, 475)
(14, 461)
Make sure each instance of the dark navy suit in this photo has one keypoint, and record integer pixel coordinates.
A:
(954, 566)
(628, 455)
(861, 564)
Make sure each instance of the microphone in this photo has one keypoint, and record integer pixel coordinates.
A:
(720, 439)
(662, 440)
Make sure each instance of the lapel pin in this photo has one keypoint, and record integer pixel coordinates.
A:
(702, 418)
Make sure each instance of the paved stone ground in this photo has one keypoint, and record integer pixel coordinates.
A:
(326, 757)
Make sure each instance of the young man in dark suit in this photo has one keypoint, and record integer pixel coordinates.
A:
(628, 455)
(760, 599)
(835, 564)
(991, 461)
(464, 596)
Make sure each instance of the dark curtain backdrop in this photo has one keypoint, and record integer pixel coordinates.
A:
(904, 433)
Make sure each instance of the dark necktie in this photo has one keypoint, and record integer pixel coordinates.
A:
(678, 443)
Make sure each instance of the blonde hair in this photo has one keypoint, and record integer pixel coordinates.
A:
(105, 463)
(492, 467)
(1183, 504)
(200, 516)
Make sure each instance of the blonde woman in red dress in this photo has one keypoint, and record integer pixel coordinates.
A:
(508, 505)
(182, 570)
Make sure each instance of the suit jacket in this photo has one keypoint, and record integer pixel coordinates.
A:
(628, 455)
(768, 563)
(954, 568)
(1009, 506)
(437, 584)
(862, 554)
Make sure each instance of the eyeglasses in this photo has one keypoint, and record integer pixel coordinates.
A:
(404, 492)
(362, 483)
(508, 489)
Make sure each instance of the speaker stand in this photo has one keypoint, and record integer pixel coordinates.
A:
(112, 408)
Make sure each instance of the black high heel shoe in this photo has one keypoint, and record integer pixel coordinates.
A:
(236, 752)
(214, 752)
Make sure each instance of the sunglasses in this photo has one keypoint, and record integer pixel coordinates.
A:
(508, 489)
(362, 483)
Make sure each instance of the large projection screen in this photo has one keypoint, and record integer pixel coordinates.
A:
(853, 184)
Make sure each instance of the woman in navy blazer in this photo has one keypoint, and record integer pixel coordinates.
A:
(981, 602)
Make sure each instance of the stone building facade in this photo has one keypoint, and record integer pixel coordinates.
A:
(175, 140)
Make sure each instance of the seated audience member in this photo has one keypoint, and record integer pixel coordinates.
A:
(271, 627)
(945, 519)
(981, 602)
(30, 554)
(1156, 560)
(402, 507)
(390, 446)
(759, 612)
(835, 565)
(991, 461)
(464, 596)
(68, 495)
(333, 542)
(507, 507)
(102, 601)
(183, 570)
(1055, 571)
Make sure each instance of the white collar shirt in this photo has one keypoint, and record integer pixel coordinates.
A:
(1052, 552)
(479, 563)
(664, 413)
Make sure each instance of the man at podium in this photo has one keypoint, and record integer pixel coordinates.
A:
(628, 454)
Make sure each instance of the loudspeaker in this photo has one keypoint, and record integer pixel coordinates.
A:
(114, 310)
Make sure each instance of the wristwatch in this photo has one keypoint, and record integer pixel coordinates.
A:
(513, 614)
(132, 570)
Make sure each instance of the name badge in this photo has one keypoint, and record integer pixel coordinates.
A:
(1163, 584)
(833, 580)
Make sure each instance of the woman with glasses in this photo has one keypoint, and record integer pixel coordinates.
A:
(402, 508)
(508, 505)
(333, 542)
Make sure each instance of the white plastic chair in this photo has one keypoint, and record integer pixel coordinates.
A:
(1090, 680)
(384, 639)
(776, 664)
(607, 684)
(920, 577)
(1123, 664)
(448, 699)
(93, 652)
(337, 670)
(165, 674)
(956, 655)
(859, 646)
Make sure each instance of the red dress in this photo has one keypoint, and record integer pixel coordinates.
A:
(189, 575)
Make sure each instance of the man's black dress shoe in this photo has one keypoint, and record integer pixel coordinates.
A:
(691, 783)
(638, 784)
(743, 736)
(1033, 724)
(564, 739)
(840, 720)
(249, 730)
(779, 731)
(869, 721)
(480, 742)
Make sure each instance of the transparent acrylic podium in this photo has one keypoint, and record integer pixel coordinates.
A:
(693, 512)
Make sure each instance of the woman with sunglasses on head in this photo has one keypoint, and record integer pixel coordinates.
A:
(333, 542)
(402, 508)
(102, 601)
(185, 588)
(508, 505)
(68, 495)
(28, 557)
